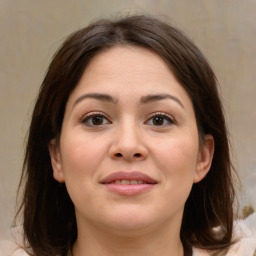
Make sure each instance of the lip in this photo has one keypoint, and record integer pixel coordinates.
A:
(128, 189)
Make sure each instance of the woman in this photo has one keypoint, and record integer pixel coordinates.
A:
(128, 151)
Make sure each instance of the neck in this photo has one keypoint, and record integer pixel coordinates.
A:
(95, 242)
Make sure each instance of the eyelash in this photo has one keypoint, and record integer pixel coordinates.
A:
(165, 116)
(88, 119)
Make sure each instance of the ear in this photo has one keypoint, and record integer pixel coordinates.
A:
(54, 151)
(205, 156)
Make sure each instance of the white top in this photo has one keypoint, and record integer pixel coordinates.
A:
(244, 231)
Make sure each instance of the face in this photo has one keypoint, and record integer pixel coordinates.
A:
(129, 147)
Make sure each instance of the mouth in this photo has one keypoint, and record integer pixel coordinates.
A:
(128, 183)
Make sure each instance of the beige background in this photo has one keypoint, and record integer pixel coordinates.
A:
(31, 30)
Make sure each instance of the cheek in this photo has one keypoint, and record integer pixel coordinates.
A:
(82, 157)
(81, 154)
(80, 161)
(177, 158)
(178, 152)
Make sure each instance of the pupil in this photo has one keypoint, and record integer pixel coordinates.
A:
(97, 120)
(158, 120)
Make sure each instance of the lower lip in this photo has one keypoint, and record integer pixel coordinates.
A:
(129, 190)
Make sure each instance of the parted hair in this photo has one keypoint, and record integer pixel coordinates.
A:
(48, 215)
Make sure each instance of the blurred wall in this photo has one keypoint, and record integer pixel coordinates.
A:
(31, 31)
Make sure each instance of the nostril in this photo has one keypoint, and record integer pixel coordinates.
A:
(135, 155)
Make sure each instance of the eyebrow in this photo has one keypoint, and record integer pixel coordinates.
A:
(96, 96)
(143, 100)
(156, 97)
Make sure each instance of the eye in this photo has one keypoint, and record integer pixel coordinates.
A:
(95, 119)
(160, 119)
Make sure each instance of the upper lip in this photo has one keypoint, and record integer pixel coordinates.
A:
(135, 175)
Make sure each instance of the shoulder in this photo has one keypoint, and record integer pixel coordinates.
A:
(9, 248)
(244, 234)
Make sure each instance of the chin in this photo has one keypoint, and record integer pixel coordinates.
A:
(130, 219)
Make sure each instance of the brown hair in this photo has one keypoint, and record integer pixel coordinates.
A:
(49, 219)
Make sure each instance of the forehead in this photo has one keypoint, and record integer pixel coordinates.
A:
(128, 71)
(128, 60)
(127, 65)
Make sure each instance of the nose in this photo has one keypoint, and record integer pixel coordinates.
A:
(128, 144)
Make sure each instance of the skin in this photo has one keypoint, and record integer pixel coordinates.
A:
(128, 137)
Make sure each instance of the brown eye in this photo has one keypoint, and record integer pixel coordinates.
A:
(95, 120)
(160, 119)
